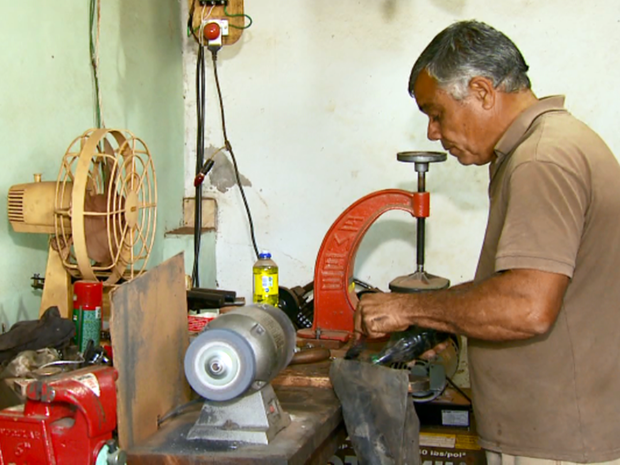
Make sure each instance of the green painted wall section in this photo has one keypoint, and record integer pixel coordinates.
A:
(46, 100)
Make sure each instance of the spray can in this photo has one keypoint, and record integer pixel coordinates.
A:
(265, 273)
(87, 301)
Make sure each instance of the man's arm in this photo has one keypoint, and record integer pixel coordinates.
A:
(511, 305)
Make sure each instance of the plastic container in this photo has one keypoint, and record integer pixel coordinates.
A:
(87, 302)
(265, 273)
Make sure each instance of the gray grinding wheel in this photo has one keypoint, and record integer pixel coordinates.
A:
(219, 364)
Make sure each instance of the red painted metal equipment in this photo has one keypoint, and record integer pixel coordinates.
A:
(334, 296)
(66, 420)
(335, 299)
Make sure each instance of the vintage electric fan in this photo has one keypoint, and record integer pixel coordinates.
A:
(100, 212)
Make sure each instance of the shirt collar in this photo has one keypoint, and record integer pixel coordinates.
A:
(515, 132)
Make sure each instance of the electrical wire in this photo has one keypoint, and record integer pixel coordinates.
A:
(94, 33)
(178, 410)
(200, 114)
(453, 384)
(200, 117)
(207, 166)
(232, 153)
(237, 15)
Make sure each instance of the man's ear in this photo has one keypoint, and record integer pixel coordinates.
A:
(482, 89)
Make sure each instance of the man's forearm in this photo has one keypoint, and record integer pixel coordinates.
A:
(516, 304)
(471, 310)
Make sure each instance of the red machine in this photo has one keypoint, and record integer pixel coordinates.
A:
(335, 299)
(334, 294)
(67, 419)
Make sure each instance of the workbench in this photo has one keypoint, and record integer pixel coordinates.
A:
(316, 429)
(315, 432)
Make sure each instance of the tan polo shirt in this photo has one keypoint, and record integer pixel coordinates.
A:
(555, 206)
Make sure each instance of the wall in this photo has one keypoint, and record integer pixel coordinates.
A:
(46, 100)
(317, 108)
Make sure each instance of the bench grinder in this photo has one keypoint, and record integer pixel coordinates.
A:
(231, 364)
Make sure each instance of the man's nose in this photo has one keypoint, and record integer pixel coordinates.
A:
(433, 132)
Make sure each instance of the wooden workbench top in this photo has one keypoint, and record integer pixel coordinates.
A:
(315, 432)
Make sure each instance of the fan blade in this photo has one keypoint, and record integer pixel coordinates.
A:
(95, 230)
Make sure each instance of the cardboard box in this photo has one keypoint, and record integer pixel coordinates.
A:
(443, 446)
(438, 446)
(451, 409)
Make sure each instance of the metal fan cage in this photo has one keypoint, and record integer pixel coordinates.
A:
(115, 168)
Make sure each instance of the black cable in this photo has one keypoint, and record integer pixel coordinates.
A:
(458, 389)
(200, 118)
(230, 150)
(200, 92)
(93, 32)
(178, 410)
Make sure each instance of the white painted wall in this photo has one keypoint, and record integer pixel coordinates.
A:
(317, 108)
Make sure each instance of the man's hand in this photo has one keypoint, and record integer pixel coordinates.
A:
(378, 314)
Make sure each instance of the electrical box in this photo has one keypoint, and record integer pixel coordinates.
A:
(228, 14)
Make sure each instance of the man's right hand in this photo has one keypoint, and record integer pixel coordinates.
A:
(378, 314)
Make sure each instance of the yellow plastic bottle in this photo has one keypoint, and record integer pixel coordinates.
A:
(265, 273)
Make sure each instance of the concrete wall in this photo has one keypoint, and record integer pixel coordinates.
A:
(46, 100)
(317, 107)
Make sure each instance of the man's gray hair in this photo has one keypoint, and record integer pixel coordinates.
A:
(467, 49)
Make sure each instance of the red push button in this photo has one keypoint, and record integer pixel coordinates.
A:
(212, 31)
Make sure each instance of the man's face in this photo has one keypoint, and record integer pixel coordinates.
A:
(463, 126)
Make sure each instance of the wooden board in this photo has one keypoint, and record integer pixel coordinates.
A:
(313, 436)
(316, 375)
(305, 375)
(235, 7)
(150, 335)
(57, 290)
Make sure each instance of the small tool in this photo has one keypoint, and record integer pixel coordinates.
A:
(356, 348)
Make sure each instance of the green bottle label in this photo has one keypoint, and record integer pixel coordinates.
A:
(87, 327)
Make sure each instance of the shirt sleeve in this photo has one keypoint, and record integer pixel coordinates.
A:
(545, 218)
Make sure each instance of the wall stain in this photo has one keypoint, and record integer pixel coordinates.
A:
(451, 6)
(222, 176)
(389, 9)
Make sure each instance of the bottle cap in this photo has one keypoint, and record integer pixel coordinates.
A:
(264, 254)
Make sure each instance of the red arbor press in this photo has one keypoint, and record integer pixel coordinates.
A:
(335, 299)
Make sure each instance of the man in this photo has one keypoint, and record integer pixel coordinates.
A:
(543, 311)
